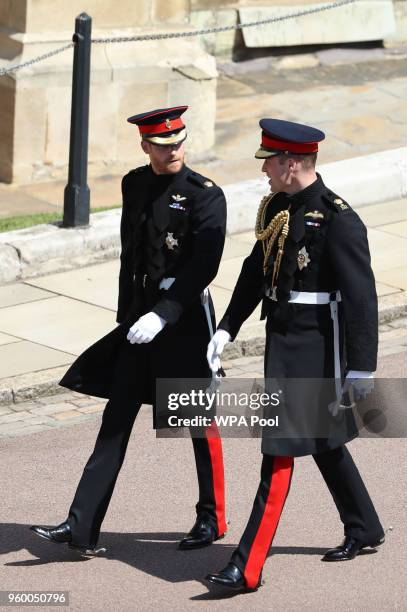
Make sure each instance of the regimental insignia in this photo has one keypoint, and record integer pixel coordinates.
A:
(208, 184)
(178, 198)
(316, 214)
(170, 241)
(168, 124)
(339, 202)
(303, 258)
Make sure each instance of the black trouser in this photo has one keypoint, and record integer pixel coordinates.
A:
(347, 489)
(99, 477)
(350, 495)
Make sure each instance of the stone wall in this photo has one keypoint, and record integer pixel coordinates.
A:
(126, 78)
(132, 77)
(399, 37)
(362, 21)
(46, 15)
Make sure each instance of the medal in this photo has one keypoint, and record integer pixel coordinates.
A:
(303, 258)
(170, 241)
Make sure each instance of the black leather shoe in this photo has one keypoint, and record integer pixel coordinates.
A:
(231, 578)
(59, 534)
(202, 534)
(348, 550)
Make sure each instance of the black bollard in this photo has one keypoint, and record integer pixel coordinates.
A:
(77, 194)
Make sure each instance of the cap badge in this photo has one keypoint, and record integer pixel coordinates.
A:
(303, 258)
(168, 124)
(170, 241)
(178, 198)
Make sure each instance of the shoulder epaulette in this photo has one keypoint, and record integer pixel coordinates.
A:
(127, 178)
(138, 170)
(335, 202)
(200, 180)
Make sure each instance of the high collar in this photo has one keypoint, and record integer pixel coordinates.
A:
(164, 180)
(308, 193)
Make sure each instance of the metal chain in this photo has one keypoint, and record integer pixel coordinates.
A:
(40, 58)
(214, 30)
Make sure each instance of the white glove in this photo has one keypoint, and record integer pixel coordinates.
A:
(361, 381)
(215, 348)
(146, 328)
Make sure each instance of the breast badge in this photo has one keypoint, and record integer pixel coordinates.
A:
(303, 258)
(316, 214)
(177, 202)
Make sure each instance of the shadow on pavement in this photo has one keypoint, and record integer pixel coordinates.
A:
(154, 553)
(217, 593)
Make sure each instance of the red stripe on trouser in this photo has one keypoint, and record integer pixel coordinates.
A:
(279, 486)
(215, 451)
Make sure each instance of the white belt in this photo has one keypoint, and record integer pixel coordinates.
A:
(321, 297)
(308, 297)
(166, 284)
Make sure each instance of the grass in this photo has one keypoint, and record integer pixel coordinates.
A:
(9, 224)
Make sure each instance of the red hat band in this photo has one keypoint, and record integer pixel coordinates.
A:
(291, 147)
(168, 125)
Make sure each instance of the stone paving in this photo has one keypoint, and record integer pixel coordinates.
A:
(47, 321)
(44, 413)
(153, 506)
(62, 409)
(358, 104)
(361, 108)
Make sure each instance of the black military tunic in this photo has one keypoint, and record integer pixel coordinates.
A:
(326, 250)
(173, 226)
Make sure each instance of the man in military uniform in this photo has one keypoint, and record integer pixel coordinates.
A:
(311, 267)
(172, 235)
